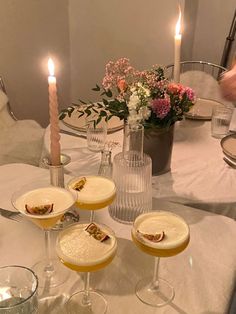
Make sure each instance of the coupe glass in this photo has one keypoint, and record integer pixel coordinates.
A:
(39, 194)
(82, 251)
(161, 234)
(93, 192)
(18, 290)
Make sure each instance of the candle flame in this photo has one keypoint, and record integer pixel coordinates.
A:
(178, 24)
(50, 67)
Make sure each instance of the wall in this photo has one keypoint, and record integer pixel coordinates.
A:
(214, 18)
(83, 35)
(100, 31)
(31, 30)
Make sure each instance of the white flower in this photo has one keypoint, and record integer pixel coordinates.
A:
(145, 112)
(133, 102)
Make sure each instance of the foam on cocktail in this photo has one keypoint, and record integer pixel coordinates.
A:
(61, 199)
(80, 251)
(174, 227)
(97, 190)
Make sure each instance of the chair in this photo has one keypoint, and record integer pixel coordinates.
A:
(202, 76)
(21, 141)
(2, 87)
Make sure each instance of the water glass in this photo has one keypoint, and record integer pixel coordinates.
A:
(220, 121)
(18, 290)
(96, 135)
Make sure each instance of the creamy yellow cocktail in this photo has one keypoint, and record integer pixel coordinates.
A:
(93, 192)
(56, 200)
(81, 251)
(160, 233)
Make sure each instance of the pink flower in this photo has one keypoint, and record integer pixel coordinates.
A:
(174, 88)
(161, 107)
(122, 85)
(189, 92)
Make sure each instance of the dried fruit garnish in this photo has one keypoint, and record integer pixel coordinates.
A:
(78, 186)
(158, 237)
(39, 210)
(96, 232)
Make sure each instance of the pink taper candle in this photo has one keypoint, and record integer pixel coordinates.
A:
(54, 120)
(177, 49)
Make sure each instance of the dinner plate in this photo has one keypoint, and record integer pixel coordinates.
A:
(228, 144)
(202, 109)
(79, 123)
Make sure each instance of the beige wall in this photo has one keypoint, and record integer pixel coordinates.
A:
(100, 31)
(83, 35)
(214, 18)
(31, 30)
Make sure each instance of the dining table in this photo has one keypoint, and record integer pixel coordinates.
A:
(203, 275)
(199, 176)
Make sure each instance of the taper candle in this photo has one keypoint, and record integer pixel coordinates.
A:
(54, 120)
(177, 50)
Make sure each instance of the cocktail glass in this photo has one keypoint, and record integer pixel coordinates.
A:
(53, 201)
(93, 192)
(80, 247)
(161, 234)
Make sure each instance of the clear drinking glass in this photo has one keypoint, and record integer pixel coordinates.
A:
(221, 117)
(96, 135)
(82, 252)
(161, 234)
(18, 290)
(45, 204)
(132, 174)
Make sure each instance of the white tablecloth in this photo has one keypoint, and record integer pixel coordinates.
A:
(203, 275)
(199, 177)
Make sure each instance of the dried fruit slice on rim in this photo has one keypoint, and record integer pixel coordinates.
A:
(157, 237)
(39, 210)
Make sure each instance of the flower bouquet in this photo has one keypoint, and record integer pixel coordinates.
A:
(145, 97)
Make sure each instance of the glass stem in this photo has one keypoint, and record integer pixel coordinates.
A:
(155, 281)
(49, 266)
(91, 216)
(86, 298)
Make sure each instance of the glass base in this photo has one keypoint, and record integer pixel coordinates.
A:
(154, 295)
(98, 304)
(50, 276)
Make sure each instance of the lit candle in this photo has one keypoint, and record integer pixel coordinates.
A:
(54, 120)
(177, 50)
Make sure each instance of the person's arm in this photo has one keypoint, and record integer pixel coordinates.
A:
(228, 84)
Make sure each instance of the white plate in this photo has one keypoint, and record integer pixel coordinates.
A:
(79, 124)
(228, 144)
(202, 109)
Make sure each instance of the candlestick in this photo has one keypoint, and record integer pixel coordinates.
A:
(177, 50)
(54, 121)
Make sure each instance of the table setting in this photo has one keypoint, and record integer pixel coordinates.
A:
(133, 207)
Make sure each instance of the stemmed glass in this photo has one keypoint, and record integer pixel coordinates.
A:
(86, 248)
(93, 193)
(161, 234)
(44, 205)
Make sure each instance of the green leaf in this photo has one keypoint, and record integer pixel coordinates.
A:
(97, 88)
(82, 102)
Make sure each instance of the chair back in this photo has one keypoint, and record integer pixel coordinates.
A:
(9, 109)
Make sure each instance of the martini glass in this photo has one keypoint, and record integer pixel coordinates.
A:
(81, 249)
(161, 234)
(44, 205)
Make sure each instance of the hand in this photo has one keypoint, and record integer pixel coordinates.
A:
(228, 84)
